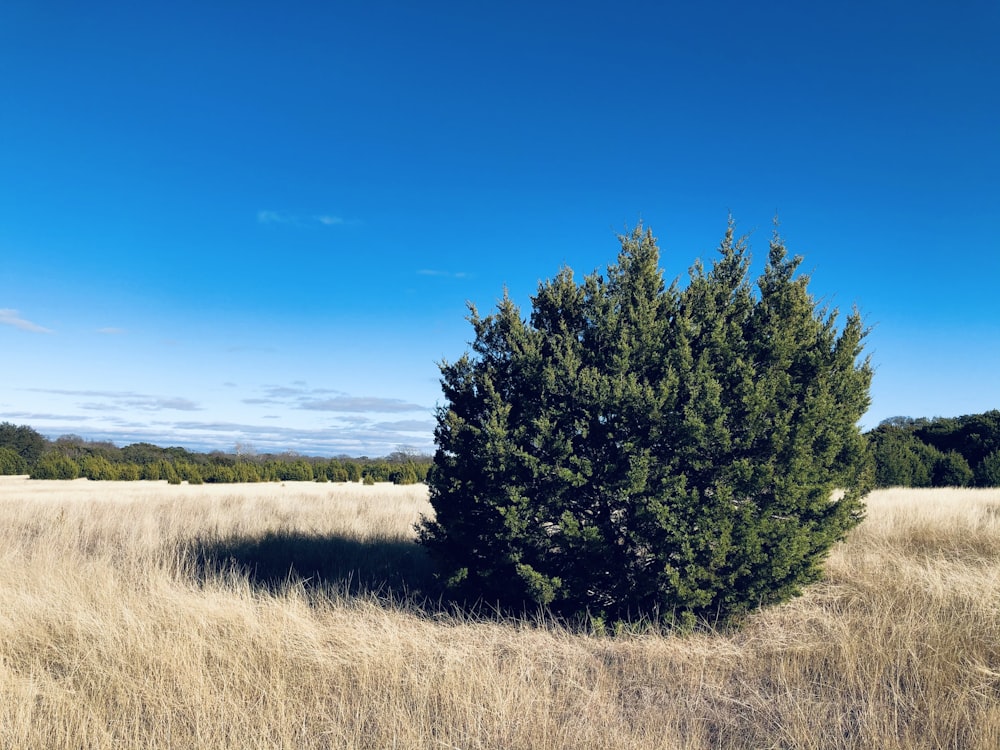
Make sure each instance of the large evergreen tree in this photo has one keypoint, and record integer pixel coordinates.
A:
(641, 449)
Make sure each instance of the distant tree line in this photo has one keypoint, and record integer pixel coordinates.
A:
(24, 451)
(907, 452)
(941, 452)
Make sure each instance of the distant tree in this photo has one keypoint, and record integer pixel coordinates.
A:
(975, 436)
(71, 446)
(23, 440)
(637, 449)
(952, 470)
(933, 452)
(988, 471)
(55, 466)
(98, 468)
(335, 471)
(246, 472)
(294, 470)
(128, 472)
(245, 452)
(377, 471)
(219, 474)
(144, 453)
(11, 463)
(188, 472)
(403, 474)
(168, 472)
(218, 458)
(902, 459)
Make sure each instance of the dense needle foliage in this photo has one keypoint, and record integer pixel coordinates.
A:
(634, 449)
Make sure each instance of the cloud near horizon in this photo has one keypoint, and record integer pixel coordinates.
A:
(356, 404)
(123, 423)
(119, 400)
(13, 318)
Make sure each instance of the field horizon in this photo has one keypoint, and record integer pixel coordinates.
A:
(141, 614)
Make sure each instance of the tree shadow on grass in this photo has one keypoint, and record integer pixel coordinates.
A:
(396, 569)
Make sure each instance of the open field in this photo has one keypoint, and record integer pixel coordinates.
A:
(142, 615)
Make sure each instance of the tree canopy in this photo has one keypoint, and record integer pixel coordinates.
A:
(939, 452)
(638, 449)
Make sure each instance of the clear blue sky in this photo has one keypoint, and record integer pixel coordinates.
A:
(261, 221)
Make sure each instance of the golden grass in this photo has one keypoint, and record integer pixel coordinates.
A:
(132, 615)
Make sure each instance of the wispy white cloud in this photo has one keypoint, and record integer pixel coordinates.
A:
(407, 425)
(101, 406)
(300, 396)
(330, 221)
(274, 217)
(443, 274)
(360, 404)
(281, 394)
(328, 422)
(284, 217)
(122, 400)
(13, 318)
(32, 416)
(179, 404)
(356, 440)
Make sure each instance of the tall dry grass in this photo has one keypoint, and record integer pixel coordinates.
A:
(155, 616)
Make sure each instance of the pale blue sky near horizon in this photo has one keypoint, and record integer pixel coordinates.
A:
(259, 222)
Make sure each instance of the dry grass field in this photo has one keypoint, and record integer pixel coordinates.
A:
(142, 615)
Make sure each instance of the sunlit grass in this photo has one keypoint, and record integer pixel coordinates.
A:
(266, 616)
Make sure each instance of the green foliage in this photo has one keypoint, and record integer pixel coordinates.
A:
(952, 470)
(943, 452)
(11, 462)
(403, 474)
(129, 472)
(641, 450)
(988, 471)
(23, 440)
(219, 474)
(377, 471)
(336, 471)
(55, 466)
(98, 468)
(188, 472)
(295, 471)
(974, 436)
(146, 453)
(152, 472)
(246, 472)
(170, 473)
(902, 459)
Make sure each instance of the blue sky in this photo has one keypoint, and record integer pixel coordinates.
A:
(261, 221)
